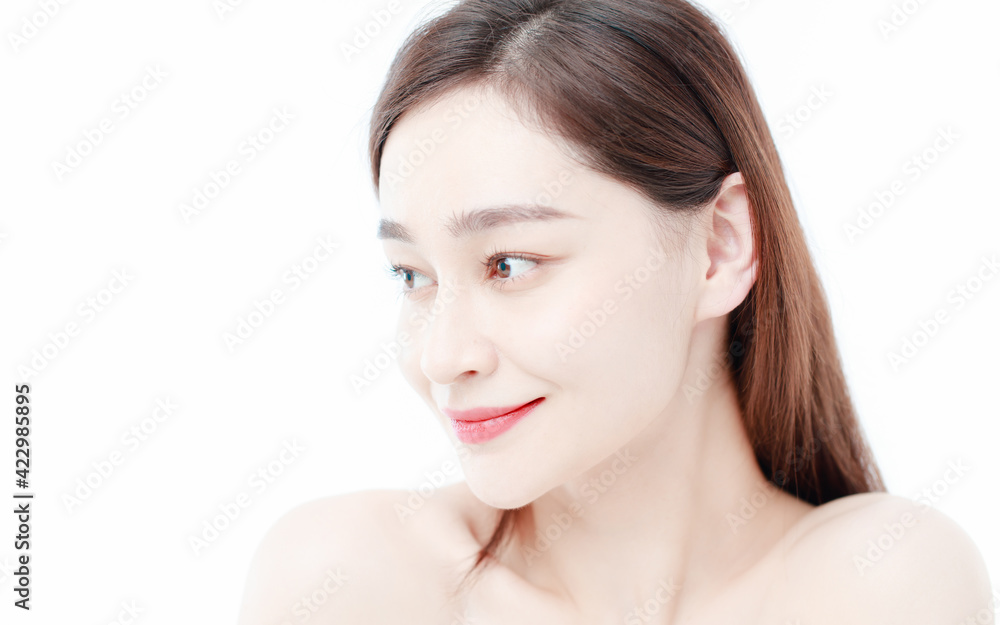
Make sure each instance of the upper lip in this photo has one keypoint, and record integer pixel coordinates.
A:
(482, 414)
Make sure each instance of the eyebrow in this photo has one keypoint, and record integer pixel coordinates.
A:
(477, 221)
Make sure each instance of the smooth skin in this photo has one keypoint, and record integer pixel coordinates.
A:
(647, 505)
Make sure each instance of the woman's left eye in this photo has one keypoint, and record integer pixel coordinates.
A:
(509, 267)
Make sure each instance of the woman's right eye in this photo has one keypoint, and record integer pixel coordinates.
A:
(407, 277)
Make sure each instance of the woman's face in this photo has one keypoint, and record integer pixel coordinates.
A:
(590, 311)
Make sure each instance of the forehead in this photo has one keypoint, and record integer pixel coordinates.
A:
(467, 149)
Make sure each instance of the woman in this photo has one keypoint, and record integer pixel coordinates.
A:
(611, 309)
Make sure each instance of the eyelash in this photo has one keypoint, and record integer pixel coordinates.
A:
(493, 256)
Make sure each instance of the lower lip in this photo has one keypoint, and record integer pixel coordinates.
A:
(482, 431)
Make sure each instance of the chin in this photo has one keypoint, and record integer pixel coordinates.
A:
(503, 492)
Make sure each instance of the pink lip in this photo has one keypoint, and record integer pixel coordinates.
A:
(482, 424)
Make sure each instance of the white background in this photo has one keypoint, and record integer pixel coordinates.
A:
(161, 337)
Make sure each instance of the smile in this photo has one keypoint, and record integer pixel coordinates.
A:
(483, 424)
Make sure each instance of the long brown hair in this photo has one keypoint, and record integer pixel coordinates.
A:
(652, 94)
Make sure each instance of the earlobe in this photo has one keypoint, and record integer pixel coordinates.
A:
(732, 262)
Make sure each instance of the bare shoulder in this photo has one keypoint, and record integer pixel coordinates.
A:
(881, 558)
(360, 557)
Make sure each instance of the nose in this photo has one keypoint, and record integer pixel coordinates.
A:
(454, 346)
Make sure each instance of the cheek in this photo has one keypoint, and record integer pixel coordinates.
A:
(657, 324)
(621, 348)
(627, 322)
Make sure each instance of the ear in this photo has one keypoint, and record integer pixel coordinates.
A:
(729, 243)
